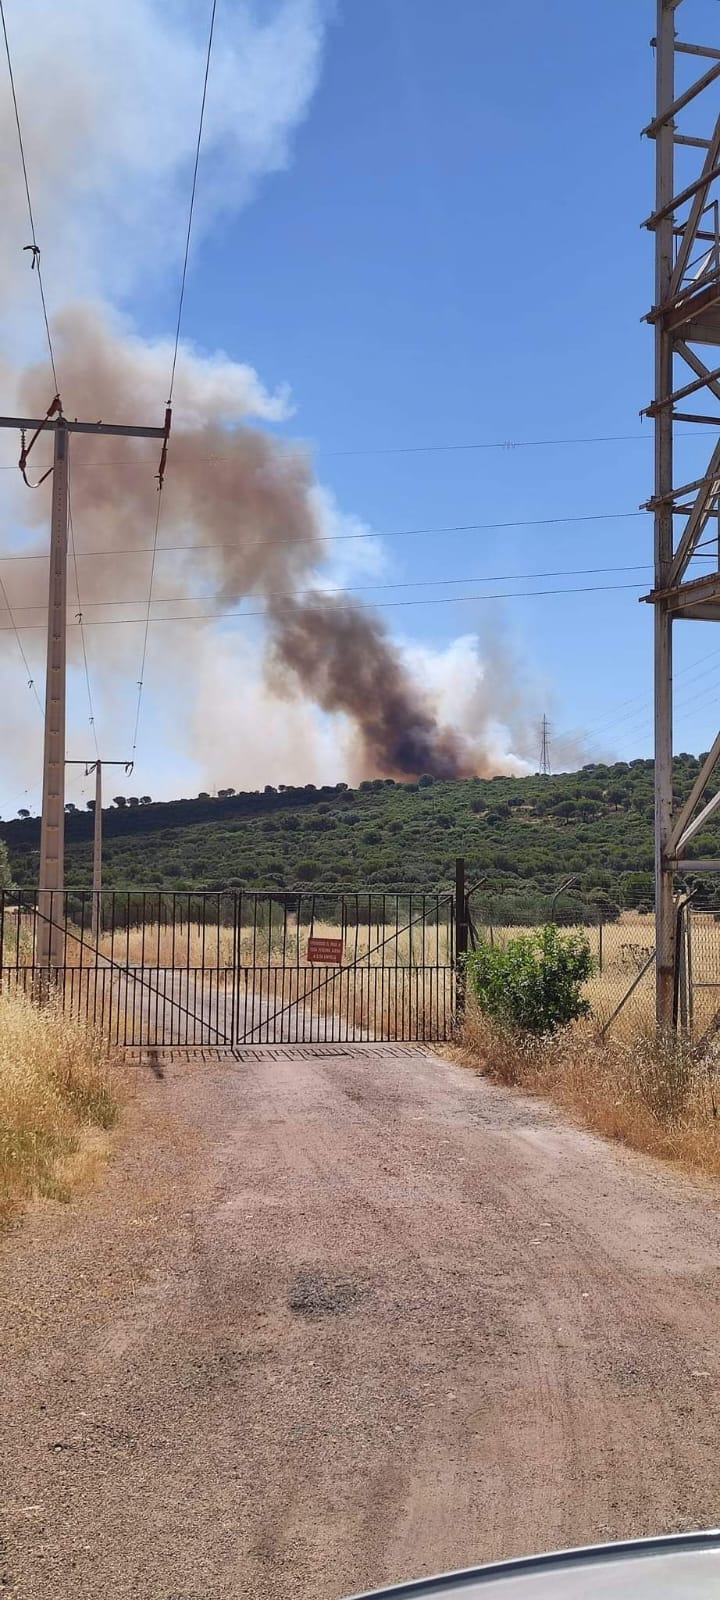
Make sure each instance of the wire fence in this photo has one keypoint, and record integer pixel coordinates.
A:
(622, 951)
(219, 967)
(699, 971)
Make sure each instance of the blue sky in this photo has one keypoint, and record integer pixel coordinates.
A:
(440, 252)
(454, 256)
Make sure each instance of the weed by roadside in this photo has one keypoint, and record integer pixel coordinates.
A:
(659, 1097)
(57, 1097)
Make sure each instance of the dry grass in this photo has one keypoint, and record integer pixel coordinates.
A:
(658, 1097)
(395, 987)
(56, 1093)
(190, 944)
(625, 945)
(395, 1003)
(367, 1002)
(618, 950)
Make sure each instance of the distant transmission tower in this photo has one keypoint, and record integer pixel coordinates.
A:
(545, 749)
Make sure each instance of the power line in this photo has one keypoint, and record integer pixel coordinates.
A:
(414, 449)
(34, 247)
(143, 657)
(30, 680)
(31, 790)
(642, 721)
(91, 708)
(192, 197)
(383, 605)
(341, 538)
(181, 302)
(494, 444)
(637, 713)
(77, 782)
(416, 533)
(375, 588)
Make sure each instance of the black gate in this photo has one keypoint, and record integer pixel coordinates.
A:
(222, 969)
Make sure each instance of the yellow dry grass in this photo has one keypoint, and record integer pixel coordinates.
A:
(390, 1002)
(192, 945)
(659, 1097)
(619, 949)
(58, 1093)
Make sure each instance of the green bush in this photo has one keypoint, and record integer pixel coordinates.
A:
(534, 982)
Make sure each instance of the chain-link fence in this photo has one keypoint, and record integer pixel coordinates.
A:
(623, 978)
(699, 970)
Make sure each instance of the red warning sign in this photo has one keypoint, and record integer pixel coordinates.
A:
(326, 952)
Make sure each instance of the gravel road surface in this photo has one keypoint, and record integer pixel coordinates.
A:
(334, 1319)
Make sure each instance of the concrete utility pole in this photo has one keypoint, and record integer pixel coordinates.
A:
(686, 313)
(97, 854)
(50, 950)
(52, 827)
(96, 766)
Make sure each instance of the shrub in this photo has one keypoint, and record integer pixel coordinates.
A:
(533, 983)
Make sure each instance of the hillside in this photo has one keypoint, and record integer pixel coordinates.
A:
(522, 834)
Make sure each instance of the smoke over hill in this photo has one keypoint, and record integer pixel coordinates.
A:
(243, 518)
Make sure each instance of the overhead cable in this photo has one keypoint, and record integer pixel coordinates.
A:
(342, 538)
(383, 605)
(30, 680)
(373, 588)
(427, 449)
(163, 459)
(33, 248)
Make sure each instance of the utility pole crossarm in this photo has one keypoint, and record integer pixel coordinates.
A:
(115, 430)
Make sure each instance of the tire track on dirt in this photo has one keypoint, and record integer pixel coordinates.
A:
(335, 1321)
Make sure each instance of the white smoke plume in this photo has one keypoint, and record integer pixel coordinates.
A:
(109, 98)
(114, 94)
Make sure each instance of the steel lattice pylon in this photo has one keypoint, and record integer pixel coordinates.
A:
(686, 321)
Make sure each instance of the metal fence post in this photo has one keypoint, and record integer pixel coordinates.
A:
(689, 975)
(461, 937)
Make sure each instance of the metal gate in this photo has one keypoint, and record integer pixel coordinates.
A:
(232, 967)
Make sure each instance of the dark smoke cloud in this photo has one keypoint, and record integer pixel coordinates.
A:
(252, 504)
(345, 661)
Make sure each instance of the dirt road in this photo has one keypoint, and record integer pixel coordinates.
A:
(341, 1319)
